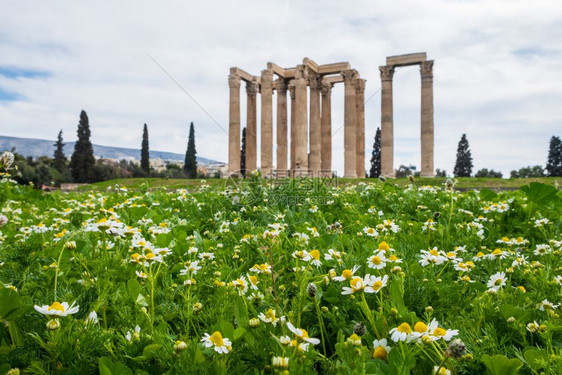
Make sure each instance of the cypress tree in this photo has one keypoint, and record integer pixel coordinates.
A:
(243, 154)
(376, 156)
(190, 164)
(82, 161)
(554, 162)
(59, 159)
(463, 165)
(145, 161)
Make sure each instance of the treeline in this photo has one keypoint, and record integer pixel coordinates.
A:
(84, 168)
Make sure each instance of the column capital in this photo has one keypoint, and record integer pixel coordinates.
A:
(326, 88)
(426, 69)
(234, 81)
(360, 85)
(301, 71)
(387, 72)
(315, 81)
(281, 85)
(252, 87)
(349, 76)
(291, 87)
(267, 78)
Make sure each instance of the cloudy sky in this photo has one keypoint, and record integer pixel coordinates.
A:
(497, 71)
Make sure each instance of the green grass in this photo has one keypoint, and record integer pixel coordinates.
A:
(463, 183)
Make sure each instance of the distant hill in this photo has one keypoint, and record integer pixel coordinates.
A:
(42, 147)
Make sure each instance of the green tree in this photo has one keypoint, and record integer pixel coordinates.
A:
(463, 165)
(190, 164)
(145, 161)
(554, 163)
(526, 172)
(59, 159)
(82, 161)
(243, 154)
(376, 156)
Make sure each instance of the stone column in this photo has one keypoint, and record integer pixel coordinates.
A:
(349, 137)
(301, 123)
(326, 129)
(360, 130)
(427, 145)
(315, 164)
(293, 126)
(387, 122)
(252, 89)
(281, 127)
(266, 123)
(234, 124)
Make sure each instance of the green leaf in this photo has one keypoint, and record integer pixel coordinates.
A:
(141, 300)
(10, 308)
(108, 367)
(226, 329)
(518, 313)
(238, 333)
(149, 351)
(501, 365)
(134, 288)
(487, 195)
(536, 358)
(400, 365)
(540, 193)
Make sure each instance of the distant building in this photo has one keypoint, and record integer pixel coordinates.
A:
(213, 170)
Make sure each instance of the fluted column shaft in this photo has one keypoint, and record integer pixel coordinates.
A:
(281, 126)
(251, 131)
(301, 123)
(315, 126)
(387, 122)
(293, 125)
(234, 124)
(266, 139)
(349, 137)
(326, 129)
(360, 130)
(427, 129)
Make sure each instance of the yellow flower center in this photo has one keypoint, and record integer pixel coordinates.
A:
(498, 282)
(505, 239)
(393, 258)
(480, 254)
(254, 279)
(270, 314)
(357, 283)
(315, 254)
(346, 274)
(384, 246)
(434, 252)
(370, 231)
(304, 333)
(376, 260)
(497, 252)
(149, 256)
(377, 285)
(216, 339)
(404, 328)
(420, 327)
(380, 353)
(56, 306)
(439, 332)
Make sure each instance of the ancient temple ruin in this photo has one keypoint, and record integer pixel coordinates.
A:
(310, 137)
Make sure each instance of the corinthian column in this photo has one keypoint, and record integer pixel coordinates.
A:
(251, 142)
(301, 123)
(315, 131)
(349, 136)
(293, 132)
(326, 128)
(426, 70)
(387, 123)
(266, 122)
(234, 124)
(360, 130)
(281, 127)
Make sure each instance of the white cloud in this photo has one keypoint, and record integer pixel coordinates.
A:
(497, 69)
